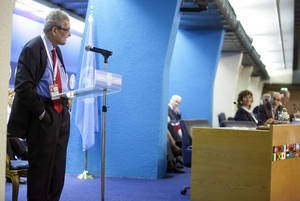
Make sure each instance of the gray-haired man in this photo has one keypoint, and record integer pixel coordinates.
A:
(36, 116)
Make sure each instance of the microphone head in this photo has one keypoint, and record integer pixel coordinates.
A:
(88, 47)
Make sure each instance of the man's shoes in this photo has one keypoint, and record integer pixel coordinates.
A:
(179, 166)
(174, 170)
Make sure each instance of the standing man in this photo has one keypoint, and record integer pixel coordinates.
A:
(43, 120)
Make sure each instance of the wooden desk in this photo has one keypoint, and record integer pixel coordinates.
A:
(236, 165)
(285, 174)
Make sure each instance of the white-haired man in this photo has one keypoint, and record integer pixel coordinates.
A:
(174, 116)
(36, 115)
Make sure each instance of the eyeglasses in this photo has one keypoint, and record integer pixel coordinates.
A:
(276, 99)
(64, 29)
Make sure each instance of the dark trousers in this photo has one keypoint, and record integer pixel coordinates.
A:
(47, 145)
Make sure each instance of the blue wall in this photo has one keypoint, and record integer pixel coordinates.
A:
(141, 37)
(193, 69)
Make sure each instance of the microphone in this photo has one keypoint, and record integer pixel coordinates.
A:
(105, 53)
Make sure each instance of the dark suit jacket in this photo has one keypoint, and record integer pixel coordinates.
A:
(174, 117)
(27, 103)
(265, 112)
(243, 115)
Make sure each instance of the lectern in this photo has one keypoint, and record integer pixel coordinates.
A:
(105, 83)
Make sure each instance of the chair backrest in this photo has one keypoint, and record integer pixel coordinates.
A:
(186, 127)
(248, 124)
(221, 117)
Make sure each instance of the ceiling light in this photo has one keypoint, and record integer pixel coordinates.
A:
(40, 11)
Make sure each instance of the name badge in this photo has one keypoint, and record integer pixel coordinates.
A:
(54, 92)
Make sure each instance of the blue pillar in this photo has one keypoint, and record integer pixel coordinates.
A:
(141, 35)
(193, 69)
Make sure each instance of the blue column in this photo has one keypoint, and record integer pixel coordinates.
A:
(193, 69)
(141, 35)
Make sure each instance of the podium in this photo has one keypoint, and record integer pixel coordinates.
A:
(104, 83)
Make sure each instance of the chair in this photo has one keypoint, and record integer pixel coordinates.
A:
(221, 117)
(186, 128)
(14, 170)
(247, 124)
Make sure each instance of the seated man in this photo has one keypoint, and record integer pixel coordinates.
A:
(16, 147)
(264, 99)
(285, 102)
(285, 98)
(174, 116)
(268, 112)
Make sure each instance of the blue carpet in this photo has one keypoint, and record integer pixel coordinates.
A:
(119, 189)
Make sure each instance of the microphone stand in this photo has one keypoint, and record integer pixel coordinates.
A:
(105, 54)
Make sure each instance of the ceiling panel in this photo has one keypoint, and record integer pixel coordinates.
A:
(78, 7)
(270, 26)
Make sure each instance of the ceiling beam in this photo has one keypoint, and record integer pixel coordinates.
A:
(75, 5)
(68, 1)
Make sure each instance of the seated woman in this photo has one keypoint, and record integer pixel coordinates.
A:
(245, 99)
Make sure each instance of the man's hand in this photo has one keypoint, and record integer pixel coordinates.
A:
(270, 121)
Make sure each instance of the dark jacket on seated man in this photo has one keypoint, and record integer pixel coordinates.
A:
(265, 112)
(17, 148)
(243, 115)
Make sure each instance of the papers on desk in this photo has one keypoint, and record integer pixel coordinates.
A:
(239, 128)
(297, 119)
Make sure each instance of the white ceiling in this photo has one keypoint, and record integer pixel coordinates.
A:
(261, 20)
